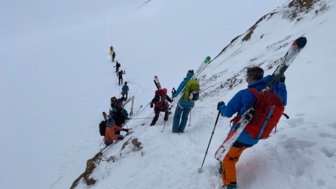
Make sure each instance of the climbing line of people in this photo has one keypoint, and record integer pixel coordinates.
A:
(237, 106)
(117, 66)
(113, 123)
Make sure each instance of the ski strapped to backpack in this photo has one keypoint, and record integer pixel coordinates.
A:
(102, 125)
(157, 82)
(200, 69)
(248, 115)
(132, 106)
(267, 112)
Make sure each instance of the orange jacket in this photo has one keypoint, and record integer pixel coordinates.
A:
(110, 132)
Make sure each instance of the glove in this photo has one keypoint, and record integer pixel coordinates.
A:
(220, 103)
(126, 130)
(151, 105)
(282, 79)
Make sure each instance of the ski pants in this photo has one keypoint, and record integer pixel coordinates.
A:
(124, 95)
(178, 127)
(113, 56)
(157, 111)
(229, 163)
(109, 142)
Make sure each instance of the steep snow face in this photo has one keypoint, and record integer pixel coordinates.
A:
(290, 158)
(57, 78)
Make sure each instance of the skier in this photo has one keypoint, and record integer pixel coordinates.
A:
(117, 66)
(112, 53)
(117, 102)
(124, 91)
(120, 77)
(183, 107)
(119, 115)
(239, 104)
(160, 104)
(110, 135)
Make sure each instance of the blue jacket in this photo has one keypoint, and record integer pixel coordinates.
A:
(242, 101)
(182, 102)
(125, 89)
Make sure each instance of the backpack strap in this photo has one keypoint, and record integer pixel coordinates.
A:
(266, 121)
(254, 92)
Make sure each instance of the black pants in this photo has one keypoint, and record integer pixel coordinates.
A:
(157, 114)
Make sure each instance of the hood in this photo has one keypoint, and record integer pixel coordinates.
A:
(188, 76)
(260, 84)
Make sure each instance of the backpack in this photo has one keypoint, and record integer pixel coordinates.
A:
(160, 99)
(191, 92)
(117, 103)
(267, 113)
(120, 116)
(102, 127)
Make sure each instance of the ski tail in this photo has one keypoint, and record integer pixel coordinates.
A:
(157, 82)
(127, 101)
(289, 57)
(132, 105)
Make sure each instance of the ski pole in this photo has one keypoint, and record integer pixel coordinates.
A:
(164, 126)
(189, 119)
(139, 109)
(206, 152)
(101, 142)
(146, 106)
(142, 118)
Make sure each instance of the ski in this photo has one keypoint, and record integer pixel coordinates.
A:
(157, 82)
(199, 70)
(128, 100)
(105, 116)
(289, 57)
(131, 112)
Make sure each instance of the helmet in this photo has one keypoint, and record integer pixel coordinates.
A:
(110, 122)
(194, 95)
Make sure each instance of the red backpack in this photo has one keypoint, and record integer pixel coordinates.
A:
(267, 113)
(160, 99)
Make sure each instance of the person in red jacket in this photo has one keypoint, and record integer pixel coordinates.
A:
(110, 130)
(160, 104)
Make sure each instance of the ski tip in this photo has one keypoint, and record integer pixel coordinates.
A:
(301, 42)
(207, 59)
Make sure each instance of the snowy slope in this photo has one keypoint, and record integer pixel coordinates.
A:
(56, 83)
(295, 157)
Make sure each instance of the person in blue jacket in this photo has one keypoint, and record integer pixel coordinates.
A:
(183, 107)
(238, 105)
(124, 91)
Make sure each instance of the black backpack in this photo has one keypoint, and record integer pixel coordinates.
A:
(102, 127)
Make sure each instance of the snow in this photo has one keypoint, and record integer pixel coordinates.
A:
(56, 79)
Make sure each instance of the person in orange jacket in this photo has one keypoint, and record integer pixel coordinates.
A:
(110, 135)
